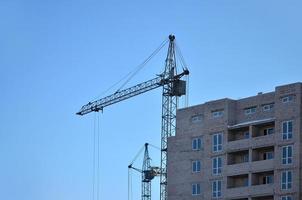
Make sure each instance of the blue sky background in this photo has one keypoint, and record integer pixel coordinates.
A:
(57, 55)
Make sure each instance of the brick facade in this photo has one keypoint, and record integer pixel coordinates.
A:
(252, 147)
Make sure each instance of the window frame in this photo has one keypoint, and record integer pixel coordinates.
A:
(245, 158)
(250, 110)
(217, 165)
(287, 99)
(268, 107)
(266, 157)
(196, 189)
(216, 189)
(196, 166)
(269, 131)
(286, 197)
(268, 179)
(287, 135)
(288, 183)
(246, 182)
(246, 135)
(287, 159)
(196, 118)
(217, 113)
(198, 142)
(218, 139)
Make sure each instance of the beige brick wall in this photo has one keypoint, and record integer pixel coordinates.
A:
(181, 155)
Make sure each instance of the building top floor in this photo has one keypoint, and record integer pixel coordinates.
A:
(284, 102)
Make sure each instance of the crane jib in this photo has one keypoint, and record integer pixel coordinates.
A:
(178, 90)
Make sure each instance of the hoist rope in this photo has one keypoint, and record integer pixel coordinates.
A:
(96, 158)
(179, 54)
(130, 192)
(133, 72)
(184, 66)
(93, 159)
(187, 91)
(136, 156)
(156, 147)
(143, 64)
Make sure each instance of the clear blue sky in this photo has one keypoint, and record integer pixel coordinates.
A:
(57, 55)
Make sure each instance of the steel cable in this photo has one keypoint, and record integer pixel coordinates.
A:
(143, 64)
(94, 147)
(132, 73)
(98, 158)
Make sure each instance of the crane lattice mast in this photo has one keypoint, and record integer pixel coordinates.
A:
(148, 173)
(169, 107)
(173, 87)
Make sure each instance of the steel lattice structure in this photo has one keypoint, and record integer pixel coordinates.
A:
(146, 175)
(173, 87)
(169, 107)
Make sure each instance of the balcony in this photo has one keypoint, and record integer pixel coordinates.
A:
(265, 140)
(258, 192)
(238, 134)
(237, 186)
(262, 165)
(237, 169)
(238, 145)
(263, 153)
(263, 178)
(236, 193)
(237, 181)
(251, 134)
(262, 190)
(263, 129)
(238, 157)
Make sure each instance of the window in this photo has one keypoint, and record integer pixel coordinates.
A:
(286, 198)
(268, 179)
(287, 155)
(268, 155)
(217, 142)
(246, 182)
(268, 131)
(196, 118)
(195, 166)
(217, 113)
(267, 107)
(287, 130)
(246, 135)
(287, 99)
(286, 180)
(196, 144)
(246, 158)
(216, 189)
(216, 165)
(196, 189)
(250, 110)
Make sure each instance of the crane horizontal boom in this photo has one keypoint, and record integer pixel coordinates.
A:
(118, 96)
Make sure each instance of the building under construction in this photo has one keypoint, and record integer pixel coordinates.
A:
(246, 149)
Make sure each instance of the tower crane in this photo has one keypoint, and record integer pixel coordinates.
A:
(148, 173)
(173, 87)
